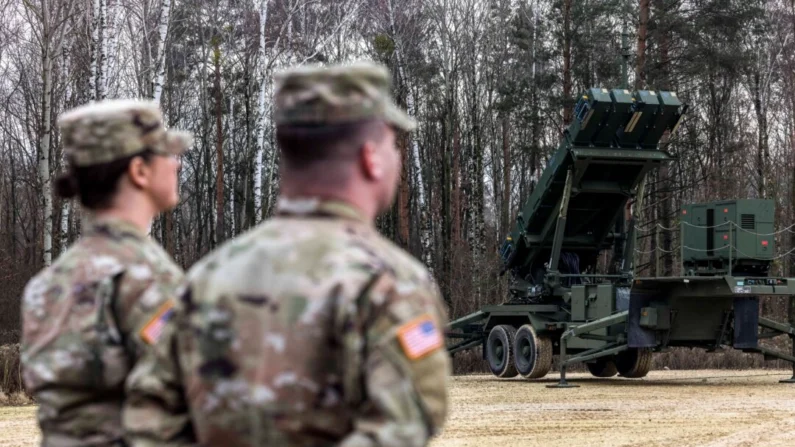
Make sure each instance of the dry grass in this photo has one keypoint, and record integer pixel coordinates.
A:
(667, 408)
(10, 371)
(15, 399)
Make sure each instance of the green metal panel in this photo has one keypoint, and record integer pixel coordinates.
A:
(578, 295)
(643, 116)
(468, 319)
(622, 110)
(746, 225)
(724, 233)
(667, 113)
(576, 343)
(619, 155)
(697, 320)
(590, 115)
(511, 309)
(592, 302)
(694, 216)
(604, 303)
(714, 287)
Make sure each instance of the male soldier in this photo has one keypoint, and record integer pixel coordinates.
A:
(312, 329)
(91, 315)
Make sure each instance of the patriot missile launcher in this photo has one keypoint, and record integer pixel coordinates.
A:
(562, 302)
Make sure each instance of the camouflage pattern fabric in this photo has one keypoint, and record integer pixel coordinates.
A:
(86, 320)
(114, 129)
(313, 94)
(310, 330)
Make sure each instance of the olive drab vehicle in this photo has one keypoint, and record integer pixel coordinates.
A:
(561, 303)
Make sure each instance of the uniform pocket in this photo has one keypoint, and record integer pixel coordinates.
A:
(84, 348)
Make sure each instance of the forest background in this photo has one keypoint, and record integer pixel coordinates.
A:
(491, 83)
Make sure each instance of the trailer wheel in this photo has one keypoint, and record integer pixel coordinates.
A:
(499, 351)
(603, 367)
(634, 362)
(532, 353)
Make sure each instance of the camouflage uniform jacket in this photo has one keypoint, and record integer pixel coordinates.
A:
(86, 320)
(313, 330)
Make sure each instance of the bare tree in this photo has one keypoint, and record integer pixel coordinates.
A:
(51, 20)
(160, 50)
(262, 112)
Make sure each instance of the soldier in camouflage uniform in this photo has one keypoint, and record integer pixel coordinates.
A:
(313, 329)
(91, 315)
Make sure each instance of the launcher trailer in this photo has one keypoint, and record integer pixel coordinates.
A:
(562, 302)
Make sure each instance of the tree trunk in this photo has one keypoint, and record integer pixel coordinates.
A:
(455, 197)
(792, 204)
(66, 207)
(506, 174)
(235, 165)
(168, 216)
(567, 106)
(95, 52)
(408, 143)
(403, 205)
(160, 51)
(447, 187)
(15, 209)
(640, 68)
(45, 134)
(762, 138)
(262, 114)
(665, 203)
(115, 16)
(245, 210)
(219, 147)
(791, 74)
(102, 84)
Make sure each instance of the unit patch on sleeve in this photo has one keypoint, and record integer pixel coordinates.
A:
(152, 330)
(420, 337)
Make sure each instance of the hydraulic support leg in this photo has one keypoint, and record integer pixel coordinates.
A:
(791, 336)
(563, 363)
(553, 276)
(612, 320)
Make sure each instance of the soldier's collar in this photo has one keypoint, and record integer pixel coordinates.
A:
(314, 206)
(111, 226)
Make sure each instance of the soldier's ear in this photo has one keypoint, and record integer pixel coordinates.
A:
(138, 171)
(371, 161)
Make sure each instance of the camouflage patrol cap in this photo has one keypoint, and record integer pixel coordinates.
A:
(114, 129)
(311, 95)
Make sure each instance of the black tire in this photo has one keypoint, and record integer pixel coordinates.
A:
(603, 367)
(532, 353)
(499, 351)
(634, 363)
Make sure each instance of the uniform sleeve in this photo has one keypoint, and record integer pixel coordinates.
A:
(155, 410)
(395, 364)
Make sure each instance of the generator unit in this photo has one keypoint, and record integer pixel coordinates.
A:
(728, 237)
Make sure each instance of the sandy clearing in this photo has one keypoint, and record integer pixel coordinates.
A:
(667, 408)
(18, 426)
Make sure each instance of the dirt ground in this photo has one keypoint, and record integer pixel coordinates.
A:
(18, 426)
(667, 408)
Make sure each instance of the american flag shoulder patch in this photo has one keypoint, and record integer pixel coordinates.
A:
(420, 337)
(154, 328)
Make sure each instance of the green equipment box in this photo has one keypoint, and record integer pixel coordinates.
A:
(718, 234)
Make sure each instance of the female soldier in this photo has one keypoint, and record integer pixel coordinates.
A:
(91, 315)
